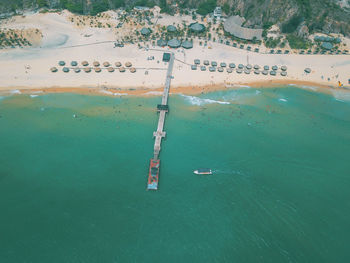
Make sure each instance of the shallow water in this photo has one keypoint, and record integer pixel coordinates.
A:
(73, 189)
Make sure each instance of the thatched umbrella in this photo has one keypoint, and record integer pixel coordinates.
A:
(118, 64)
(196, 27)
(284, 73)
(206, 62)
(249, 66)
(87, 70)
(257, 72)
(239, 71)
(220, 69)
(128, 64)
(232, 65)
(229, 70)
(61, 63)
(145, 31)
(161, 43)
(106, 64)
(265, 72)
(274, 68)
(284, 68)
(96, 64)
(77, 70)
(98, 70)
(65, 70)
(121, 69)
(53, 69)
(74, 63)
(256, 66)
(85, 63)
(174, 43)
(187, 44)
(171, 29)
(110, 69)
(132, 70)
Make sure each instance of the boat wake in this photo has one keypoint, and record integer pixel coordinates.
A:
(199, 101)
(227, 172)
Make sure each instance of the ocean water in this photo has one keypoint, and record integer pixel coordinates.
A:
(73, 189)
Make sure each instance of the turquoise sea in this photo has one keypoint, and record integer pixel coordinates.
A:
(73, 189)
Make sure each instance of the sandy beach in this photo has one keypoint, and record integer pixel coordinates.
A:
(27, 70)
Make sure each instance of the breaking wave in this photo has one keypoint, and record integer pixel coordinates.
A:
(112, 93)
(199, 101)
(284, 100)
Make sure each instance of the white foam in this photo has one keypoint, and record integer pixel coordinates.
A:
(199, 102)
(33, 96)
(284, 100)
(341, 95)
(112, 93)
(310, 88)
(16, 91)
(154, 93)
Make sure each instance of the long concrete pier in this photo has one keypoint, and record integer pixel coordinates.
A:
(163, 109)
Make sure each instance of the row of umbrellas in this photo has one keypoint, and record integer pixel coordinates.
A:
(95, 64)
(175, 43)
(96, 69)
(240, 70)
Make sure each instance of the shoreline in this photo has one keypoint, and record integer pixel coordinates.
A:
(186, 90)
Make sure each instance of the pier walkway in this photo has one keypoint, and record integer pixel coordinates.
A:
(162, 108)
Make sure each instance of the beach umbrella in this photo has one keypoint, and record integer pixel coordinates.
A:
(249, 66)
(256, 66)
(274, 68)
(96, 64)
(77, 70)
(128, 64)
(223, 64)
(171, 28)
(85, 63)
(273, 73)
(197, 61)
(307, 70)
(187, 44)
(132, 70)
(212, 69)
(194, 67)
(214, 63)
(174, 43)
(266, 67)
(161, 43)
(118, 64)
(110, 69)
(232, 65)
(121, 69)
(229, 70)
(239, 71)
(196, 27)
(203, 68)
(327, 45)
(106, 64)
(265, 72)
(206, 62)
(87, 70)
(257, 72)
(145, 31)
(65, 70)
(284, 68)
(97, 70)
(53, 69)
(247, 71)
(283, 73)
(220, 69)
(61, 63)
(74, 63)
(240, 66)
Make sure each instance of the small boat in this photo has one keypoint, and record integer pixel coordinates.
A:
(203, 171)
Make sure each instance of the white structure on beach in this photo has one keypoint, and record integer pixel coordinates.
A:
(233, 25)
(217, 13)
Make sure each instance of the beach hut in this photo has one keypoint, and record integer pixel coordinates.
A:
(197, 61)
(274, 68)
(96, 64)
(307, 70)
(203, 68)
(118, 64)
(249, 66)
(265, 72)
(77, 70)
(74, 63)
(327, 45)
(197, 28)
(232, 65)
(187, 44)
(121, 69)
(128, 64)
(53, 69)
(256, 66)
(239, 71)
(223, 64)
(220, 69)
(273, 73)
(247, 71)
(206, 62)
(106, 64)
(283, 73)
(240, 66)
(171, 29)
(229, 70)
(174, 43)
(110, 69)
(65, 70)
(266, 67)
(85, 63)
(214, 63)
(61, 63)
(194, 67)
(145, 31)
(97, 70)
(256, 50)
(166, 57)
(132, 70)
(257, 72)
(212, 69)
(161, 43)
(284, 68)
(87, 70)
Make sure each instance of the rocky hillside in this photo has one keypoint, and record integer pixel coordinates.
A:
(328, 16)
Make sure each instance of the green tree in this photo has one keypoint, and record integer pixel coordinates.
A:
(42, 3)
(206, 7)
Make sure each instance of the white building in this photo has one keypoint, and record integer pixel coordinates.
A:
(217, 12)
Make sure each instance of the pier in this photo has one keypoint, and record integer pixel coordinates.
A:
(159, 134)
